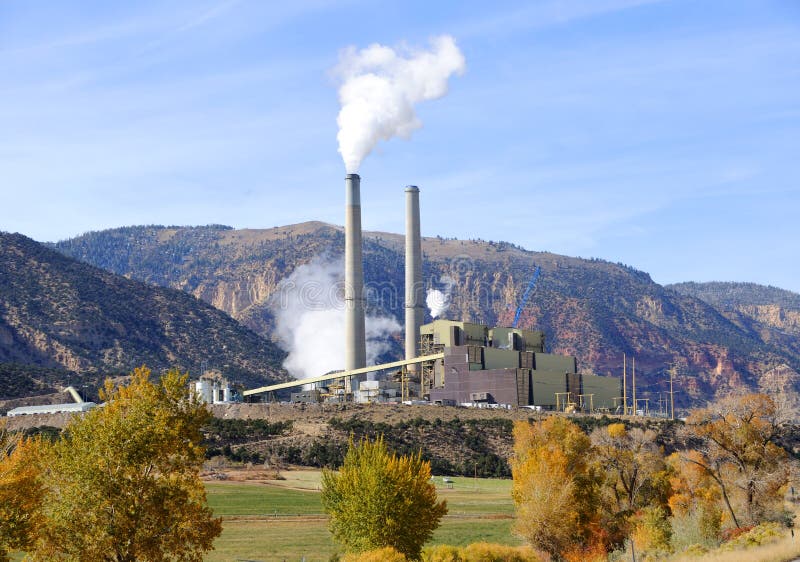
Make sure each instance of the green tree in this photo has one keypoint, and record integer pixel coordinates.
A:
(123, 483)
(378, 499)
(20, 493)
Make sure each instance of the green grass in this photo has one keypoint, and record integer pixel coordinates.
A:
(229, 499)
(292, 540)
(483, 500)
(273, 540)
(268, 539)
(461, 532)
(258, 499)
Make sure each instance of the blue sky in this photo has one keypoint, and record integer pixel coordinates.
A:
(661, 134)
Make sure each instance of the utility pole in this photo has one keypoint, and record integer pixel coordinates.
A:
(624, 386)
(671, 394)
(634, 386)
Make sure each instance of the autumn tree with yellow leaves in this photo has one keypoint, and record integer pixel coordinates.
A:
(20, 493)
(634, 467)
(635, 485)
(737, 450)
(122, 484)
(555, 489)
(378, 499)
(696, 499)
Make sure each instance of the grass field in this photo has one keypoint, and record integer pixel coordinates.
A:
(283, 519)
(298, 494)
(293, 540)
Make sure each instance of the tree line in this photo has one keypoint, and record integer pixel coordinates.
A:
(122, 483)
(582, 496)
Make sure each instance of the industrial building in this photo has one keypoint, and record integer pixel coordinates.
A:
(213, 389)
(507, 366)
(364, 392)
(51, 409)
(79, 405)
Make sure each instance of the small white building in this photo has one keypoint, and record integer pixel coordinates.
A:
(377, 391)
(51, 409)
(213, 390)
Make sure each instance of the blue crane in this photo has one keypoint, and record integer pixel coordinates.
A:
(526, 296)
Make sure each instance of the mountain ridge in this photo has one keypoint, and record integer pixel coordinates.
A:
(63, 315)
(594, 309)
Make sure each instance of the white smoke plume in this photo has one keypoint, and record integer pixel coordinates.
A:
(381, 85)
(439, 301)
(309, 320)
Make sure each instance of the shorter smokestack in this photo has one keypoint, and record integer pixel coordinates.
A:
(414, 306)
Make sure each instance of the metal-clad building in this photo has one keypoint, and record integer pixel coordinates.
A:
(51, 409)
(604, 392)
(505, 366)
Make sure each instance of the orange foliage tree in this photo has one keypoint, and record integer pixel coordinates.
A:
(738, 452)
(20, 493)
(555, 489)
(695, 493)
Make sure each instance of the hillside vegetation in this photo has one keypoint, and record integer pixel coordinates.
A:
(58, 315)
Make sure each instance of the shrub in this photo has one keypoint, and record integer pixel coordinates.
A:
(442, 553)
(758, 535)
(696, 550)
(385, 554)
(653, 530)
(482, 552)
(488, 552)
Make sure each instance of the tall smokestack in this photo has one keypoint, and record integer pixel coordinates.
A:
(355, 346)
(414, 307)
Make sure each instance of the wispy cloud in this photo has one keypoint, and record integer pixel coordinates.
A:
(200, 19)
(83, 38)
(541, 15)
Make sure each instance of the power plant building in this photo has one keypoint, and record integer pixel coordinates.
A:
(507, 366)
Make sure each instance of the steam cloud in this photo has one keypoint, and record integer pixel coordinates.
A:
(309, 320)
(381, 85)
(439, 301)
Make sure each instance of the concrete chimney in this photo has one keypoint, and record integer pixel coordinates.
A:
(355, 345)
(414, 307)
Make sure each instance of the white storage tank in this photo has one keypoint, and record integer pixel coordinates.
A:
(203, 390)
